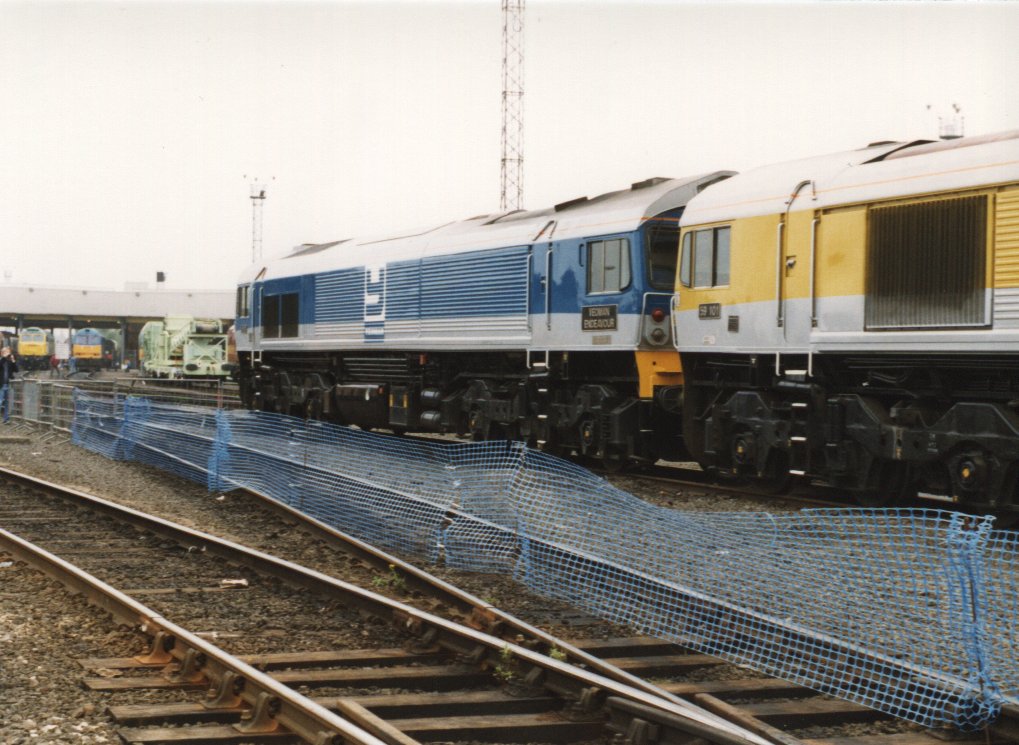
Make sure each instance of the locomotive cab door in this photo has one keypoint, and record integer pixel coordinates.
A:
(585, 285)
(795, 302)
(543, 268)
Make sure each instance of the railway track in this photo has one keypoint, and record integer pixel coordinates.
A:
(795, 495)
(692, 479)
(420, 680)
(180, 573)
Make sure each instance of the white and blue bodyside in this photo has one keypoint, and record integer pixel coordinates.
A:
(527, 324)
(518, 280)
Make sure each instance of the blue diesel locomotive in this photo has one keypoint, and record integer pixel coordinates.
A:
(550, 326)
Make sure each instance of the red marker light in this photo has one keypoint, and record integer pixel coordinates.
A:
(658, 315)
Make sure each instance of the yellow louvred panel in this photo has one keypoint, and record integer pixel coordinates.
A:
(1006, 240)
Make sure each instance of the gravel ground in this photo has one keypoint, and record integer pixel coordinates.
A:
(43, 631)
(694, 499)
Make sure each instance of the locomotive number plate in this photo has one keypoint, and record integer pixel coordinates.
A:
(709, 310)
(598, 317)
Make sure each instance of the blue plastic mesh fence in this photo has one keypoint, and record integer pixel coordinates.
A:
(480, 533)
(97, 423)
(1001, 598)
(874, 606)
(911, 612)
(368, 484)
(181, 441)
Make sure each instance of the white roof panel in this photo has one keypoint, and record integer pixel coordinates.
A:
(614, 212)
(881, 171)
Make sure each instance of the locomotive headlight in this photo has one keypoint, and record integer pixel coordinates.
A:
(658, 336)
(658, 315)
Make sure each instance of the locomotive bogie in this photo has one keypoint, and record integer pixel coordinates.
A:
(866, 332)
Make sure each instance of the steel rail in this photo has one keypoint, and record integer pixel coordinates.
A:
(200, 660)
(483, 649)
(661, 476)
(480, 614)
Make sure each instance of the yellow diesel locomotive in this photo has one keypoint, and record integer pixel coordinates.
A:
(855, 318)
(35, 348)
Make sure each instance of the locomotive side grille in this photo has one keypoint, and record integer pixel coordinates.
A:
(926, 265)
(1006, 260)
(1006, 238)
(339, 296)
(476, 284)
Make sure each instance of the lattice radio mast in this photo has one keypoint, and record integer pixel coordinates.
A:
(512, 181)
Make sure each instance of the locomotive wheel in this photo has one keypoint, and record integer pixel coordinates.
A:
(1006, 519)
(613, 464)
(476, 424)
(498, 431)
(588, 436)
(776, 479)
(315, 392)
(554, 448)
(313, 406)
(891, 482)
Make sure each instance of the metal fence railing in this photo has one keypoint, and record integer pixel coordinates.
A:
(43, 402)
(909, 611)
(50, 401)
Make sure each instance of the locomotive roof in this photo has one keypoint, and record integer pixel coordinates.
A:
(614, 212)
(880, 171)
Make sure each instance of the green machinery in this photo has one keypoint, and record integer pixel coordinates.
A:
(184, 347)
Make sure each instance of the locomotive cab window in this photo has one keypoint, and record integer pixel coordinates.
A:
(270, 316)
(280, 316)
(244, 301)
(608, 265)
(288, 315)
(704, 259)
(662, 242)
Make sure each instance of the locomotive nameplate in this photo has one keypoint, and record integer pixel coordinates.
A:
(599, 317)
(709, 310)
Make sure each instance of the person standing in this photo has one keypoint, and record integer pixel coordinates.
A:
(8, 366)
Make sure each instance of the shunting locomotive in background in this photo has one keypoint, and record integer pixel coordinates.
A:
(550, 326)
(855, 318)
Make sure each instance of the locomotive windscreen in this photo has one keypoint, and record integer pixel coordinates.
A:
(926, 265)
(662, 252)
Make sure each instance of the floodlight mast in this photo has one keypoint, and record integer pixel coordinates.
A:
(257, 200)
(512, 180)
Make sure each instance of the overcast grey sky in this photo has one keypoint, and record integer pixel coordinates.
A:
(127, 129)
